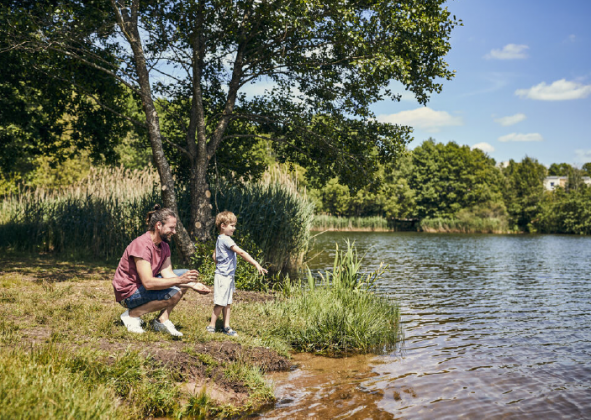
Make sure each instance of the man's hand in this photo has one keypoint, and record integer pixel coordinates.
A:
(199, 288)
(189, 276)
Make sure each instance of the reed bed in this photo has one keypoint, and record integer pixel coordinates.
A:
(98, 216)
(274, 213)
(471, 225)
(103, 213)
(361, 224)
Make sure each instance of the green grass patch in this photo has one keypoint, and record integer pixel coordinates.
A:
(370, 223)
(34, 387)
(336, 315)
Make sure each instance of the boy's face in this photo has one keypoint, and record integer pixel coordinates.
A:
(228, 229)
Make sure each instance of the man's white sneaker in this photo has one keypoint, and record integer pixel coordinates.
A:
(133, 324)
(168, 327)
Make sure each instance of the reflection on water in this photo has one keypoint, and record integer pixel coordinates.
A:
(495, 327)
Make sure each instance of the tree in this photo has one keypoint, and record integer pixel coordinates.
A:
(42, 116)
(523, 191)
(559, 169)
(586, 168)
(447, 178)
(327, 61)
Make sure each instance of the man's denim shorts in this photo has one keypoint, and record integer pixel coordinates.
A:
(142, 296)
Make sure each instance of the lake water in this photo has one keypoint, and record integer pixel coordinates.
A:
(496, 327)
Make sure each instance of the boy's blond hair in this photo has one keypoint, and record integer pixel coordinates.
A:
(225, 218)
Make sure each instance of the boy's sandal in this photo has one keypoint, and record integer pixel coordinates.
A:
(229, 331)
(210, 329)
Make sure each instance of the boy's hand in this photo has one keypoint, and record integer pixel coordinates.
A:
(199, 288)
(260, 269)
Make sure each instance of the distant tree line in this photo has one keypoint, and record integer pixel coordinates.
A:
(437, 180)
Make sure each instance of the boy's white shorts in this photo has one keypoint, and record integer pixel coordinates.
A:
(223, 289)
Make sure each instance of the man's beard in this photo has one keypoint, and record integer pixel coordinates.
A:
(165, 238)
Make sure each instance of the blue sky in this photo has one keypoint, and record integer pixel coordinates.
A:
(523, 83)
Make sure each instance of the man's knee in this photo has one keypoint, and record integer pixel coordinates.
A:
(176, 297)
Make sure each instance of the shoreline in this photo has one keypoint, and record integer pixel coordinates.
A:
(60, 315)
(428, 230)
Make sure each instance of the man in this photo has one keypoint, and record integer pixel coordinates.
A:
(145, 281)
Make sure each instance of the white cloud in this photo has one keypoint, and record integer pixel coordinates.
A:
(423, 118)
(572, 37)
(509, 52)
(522, 137)
(560, 90)
(510, 120)
(583, 156)
(485, 147)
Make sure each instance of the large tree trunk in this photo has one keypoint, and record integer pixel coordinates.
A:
(128, 24)
(201, 208)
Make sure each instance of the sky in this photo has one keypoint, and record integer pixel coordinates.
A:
(522, 85)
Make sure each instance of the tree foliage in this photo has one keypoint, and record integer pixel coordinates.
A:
(449, 177)
(326, 63)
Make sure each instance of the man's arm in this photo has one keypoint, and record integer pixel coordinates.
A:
(168, 279)
(246, 257)
(166, 270)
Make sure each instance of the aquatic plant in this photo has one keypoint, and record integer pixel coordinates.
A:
(338, 314)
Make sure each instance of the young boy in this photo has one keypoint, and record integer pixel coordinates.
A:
(225, 261)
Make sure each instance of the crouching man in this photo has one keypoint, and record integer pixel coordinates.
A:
(145, 281)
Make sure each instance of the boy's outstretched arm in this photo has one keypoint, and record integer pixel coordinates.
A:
(246, 257)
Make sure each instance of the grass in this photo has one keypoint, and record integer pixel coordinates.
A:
(372, 223)
(470, 225)
(60, 325)
(33, 388)
(339, 315)
(55, 320)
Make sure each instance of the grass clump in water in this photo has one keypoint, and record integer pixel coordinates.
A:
(340, 315)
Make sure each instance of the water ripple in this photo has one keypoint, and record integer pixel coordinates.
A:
(495, 326)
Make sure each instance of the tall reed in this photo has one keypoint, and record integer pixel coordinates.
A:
(371, 223)
(274, 213)
(98, 216)
(103, 213)
(341, 314)
(471, 225)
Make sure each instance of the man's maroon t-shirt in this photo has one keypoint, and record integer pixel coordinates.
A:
(127, 279)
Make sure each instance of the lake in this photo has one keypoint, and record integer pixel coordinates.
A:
(496, 327)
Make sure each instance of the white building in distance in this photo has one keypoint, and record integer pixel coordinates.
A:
(551, 182)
